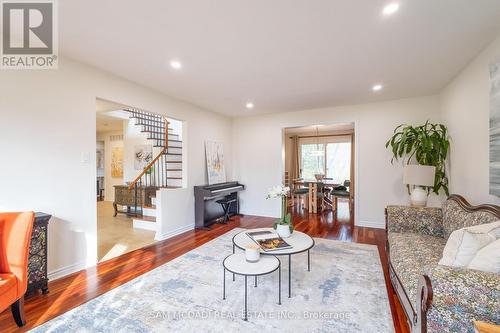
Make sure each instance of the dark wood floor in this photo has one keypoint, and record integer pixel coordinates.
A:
(73, 290)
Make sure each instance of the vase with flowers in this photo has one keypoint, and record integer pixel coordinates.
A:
(282, 225)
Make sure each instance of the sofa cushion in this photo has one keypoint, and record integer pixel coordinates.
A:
(488, 258)
(455, 217)
(411, 256)
(463, 244)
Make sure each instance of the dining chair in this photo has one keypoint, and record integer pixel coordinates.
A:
(343, 192)
(315, 195)
(299, 192)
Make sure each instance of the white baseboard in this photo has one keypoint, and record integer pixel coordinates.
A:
(63, 271)
(371, 224)
(174, 232)
(146, 225)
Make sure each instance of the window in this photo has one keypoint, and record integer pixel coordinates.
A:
(330, 155)
(338, 161)
(311, 162)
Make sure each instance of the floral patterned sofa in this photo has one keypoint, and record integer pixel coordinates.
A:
(439, 298)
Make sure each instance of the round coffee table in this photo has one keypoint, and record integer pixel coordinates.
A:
(237, 264)
(299, 241)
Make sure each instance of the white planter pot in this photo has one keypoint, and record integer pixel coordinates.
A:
(283, 230)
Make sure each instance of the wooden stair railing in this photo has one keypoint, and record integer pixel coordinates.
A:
(165, 169)
(154, 173)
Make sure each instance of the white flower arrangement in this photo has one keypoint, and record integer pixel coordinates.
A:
(278, 191)
(281, 191)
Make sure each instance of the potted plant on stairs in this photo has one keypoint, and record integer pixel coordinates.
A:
(282, 225)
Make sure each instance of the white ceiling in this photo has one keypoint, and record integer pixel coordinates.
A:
(107, 123)
(282, 55)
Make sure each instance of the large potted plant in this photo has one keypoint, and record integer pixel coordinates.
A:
(427, 144)
(282, 225)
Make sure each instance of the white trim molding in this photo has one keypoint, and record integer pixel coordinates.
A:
(174, 232)
(371, 224)
(63, 271)
(146, 225)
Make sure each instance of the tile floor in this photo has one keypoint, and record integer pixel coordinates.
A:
(115, 235)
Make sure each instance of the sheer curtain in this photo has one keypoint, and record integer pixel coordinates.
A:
(295, 166)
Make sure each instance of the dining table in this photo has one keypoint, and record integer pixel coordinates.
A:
(311, 203)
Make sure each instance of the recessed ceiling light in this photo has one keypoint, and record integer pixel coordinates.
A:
(249, 105)
(377, 87)
(175, 64)
(391, 8)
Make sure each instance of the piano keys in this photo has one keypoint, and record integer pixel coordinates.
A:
(206, 210)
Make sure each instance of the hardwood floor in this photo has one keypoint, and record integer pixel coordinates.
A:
(73, 290)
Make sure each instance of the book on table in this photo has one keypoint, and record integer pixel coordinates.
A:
(268, 240)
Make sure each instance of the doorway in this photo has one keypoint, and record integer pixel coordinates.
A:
(319, 169)
(116, 234)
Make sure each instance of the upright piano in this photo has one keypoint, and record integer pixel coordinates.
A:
(207, 210)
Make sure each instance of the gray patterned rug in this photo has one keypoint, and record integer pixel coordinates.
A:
(344, 292)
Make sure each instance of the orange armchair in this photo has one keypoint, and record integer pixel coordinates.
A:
(15, 237)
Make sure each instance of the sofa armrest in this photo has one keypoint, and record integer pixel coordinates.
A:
(460, 296)
(423, 220)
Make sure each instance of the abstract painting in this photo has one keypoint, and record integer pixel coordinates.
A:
(143, 155)
(215, 162)
(117, 162)
(495, 130)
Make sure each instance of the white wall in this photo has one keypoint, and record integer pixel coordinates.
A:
(465, 110)
(174, 202)
(109, 181)
(48, 125)
(258, 153)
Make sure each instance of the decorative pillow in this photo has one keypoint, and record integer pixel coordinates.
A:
(488, 258)
(463, 244)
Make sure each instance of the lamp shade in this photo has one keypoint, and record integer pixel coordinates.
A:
(420, 175)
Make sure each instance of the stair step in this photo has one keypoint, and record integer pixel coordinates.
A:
(174, 174)
(162, 137)
(174, 181)
(175, 154)
(174, 169)
(145, 222)
(174, 177)
(173, 158)
(159, 132)
(146, 218)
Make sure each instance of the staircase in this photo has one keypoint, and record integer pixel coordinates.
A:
(164, 170)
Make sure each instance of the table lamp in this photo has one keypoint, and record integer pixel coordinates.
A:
(418, 176)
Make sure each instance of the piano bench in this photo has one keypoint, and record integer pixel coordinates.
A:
(226, 206)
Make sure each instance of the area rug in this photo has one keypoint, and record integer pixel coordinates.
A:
(344, 292)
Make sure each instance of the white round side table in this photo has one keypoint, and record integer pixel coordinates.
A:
(237, 264)
(299, 242)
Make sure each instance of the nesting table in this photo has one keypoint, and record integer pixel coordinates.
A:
(299, 241)
(237, 264)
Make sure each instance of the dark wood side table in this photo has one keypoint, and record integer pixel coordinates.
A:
(130, 199)
(37, 262)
